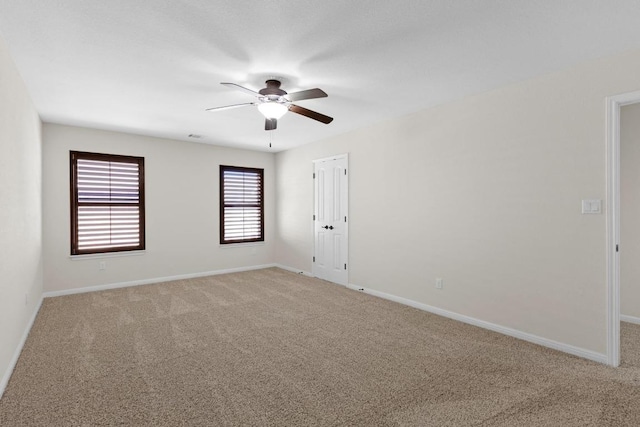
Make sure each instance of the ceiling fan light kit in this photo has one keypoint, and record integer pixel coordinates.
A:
(274, 102)
(272, 109)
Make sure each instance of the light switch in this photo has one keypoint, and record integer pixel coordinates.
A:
(592, 206)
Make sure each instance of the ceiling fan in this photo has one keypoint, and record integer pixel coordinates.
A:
(274, 102)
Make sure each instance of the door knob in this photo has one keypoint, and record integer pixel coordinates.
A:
(326, 227)
(331, 227)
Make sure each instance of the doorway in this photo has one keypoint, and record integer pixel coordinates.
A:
(614, 104)
(330, 215)
(630, 235)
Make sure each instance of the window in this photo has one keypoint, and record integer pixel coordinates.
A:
(107, 203)
(241, 205)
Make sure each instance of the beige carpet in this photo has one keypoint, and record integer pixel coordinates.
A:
(271, 347)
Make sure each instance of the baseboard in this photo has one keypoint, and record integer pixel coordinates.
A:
(630, 319)
(16, 354)
(294, 270)
(566, 348)
(153, 280)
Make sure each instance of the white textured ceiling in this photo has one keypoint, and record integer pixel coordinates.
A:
(151, 67)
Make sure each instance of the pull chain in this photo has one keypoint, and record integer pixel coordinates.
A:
(270, 137)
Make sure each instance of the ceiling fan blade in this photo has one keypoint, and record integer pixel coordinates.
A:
(306, 94)
(241, 88)
(270, 124)
(228, 107)
(311, 114)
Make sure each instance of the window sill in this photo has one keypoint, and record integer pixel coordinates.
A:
(106, 255)
(240, 244)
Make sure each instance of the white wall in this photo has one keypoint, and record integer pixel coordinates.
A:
(20, 212)
(484, 192)
(630, 210)
(182, 209)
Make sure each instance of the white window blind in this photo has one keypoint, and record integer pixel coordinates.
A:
(241, 204)
(107, 203)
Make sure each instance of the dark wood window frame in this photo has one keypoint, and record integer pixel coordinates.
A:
(234, 203)
(115, 199)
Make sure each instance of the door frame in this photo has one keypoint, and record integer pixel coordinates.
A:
(313, 232)
(613, 105)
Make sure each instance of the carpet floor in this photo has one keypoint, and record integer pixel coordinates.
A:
(273, 348)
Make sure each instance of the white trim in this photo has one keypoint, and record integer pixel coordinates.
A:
(613, 197)
(294, 270)
(576, 351)
(153, 280)
(630, 319)
(613, 104)
(16, 354)
(336, 157)
(626, 98)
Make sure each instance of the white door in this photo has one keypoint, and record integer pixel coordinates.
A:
(331, 243)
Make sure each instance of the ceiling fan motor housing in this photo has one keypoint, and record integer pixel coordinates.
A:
(273, 89)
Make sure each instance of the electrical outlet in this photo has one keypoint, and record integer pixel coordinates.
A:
(102, 265)
(439, 283)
